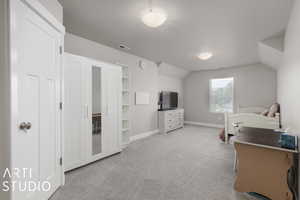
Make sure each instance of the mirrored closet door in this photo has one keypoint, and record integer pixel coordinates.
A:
(96, 111)
(92, 110)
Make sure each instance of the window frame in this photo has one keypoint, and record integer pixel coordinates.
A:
(210, 96)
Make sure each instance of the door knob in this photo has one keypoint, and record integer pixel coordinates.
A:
(25, 126)
(28, 125)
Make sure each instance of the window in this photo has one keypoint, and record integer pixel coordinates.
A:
(221, 95)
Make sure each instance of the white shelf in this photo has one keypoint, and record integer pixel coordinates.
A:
(126, 106)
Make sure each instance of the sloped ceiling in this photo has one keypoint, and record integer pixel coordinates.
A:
(271, 50)
(231, 29)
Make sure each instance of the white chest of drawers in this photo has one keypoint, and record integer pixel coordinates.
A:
(170, 120)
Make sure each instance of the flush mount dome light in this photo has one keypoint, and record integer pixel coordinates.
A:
(205, 55)
(154, 19)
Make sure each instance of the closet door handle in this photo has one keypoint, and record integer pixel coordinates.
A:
(86, 111)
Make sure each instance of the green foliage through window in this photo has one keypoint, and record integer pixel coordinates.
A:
(221, 95)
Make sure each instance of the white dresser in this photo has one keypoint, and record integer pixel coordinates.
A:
(170, 120)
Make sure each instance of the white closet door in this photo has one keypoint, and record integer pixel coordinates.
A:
(36, 96)
(75, 111)
(112, 116)
(91, 90)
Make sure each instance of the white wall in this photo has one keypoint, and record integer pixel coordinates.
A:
(54, 7)
(171, 71)
(271, 50)
(254, 85)
(171, 79)
(143, 117)
(276, 41)
(289, 74)
(4, 98)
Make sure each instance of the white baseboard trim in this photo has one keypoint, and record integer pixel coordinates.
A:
(143, 135)
(124, 145)
(204, 124)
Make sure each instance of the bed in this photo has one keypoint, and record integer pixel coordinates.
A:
(251, 117)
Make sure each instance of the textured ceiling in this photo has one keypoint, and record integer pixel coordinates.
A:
(230, 29)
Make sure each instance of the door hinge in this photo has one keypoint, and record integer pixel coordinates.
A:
(60, 161)
(60, 105)
(60, 50)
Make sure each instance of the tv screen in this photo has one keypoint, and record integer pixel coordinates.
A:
(168, 100)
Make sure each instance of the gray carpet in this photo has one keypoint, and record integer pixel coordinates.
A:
(188, 164)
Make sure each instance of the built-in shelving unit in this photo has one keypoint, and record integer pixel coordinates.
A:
(126, 106)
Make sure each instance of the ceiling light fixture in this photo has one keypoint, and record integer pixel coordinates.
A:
(154, 18)
(205, 55)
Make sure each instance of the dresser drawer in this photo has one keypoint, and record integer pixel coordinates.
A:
(170, 114)
(171, 120)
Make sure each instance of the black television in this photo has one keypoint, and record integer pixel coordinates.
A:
(168, 100)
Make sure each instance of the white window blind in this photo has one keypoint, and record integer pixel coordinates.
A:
(221, 94)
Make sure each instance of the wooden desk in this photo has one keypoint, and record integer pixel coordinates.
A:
(263, 166)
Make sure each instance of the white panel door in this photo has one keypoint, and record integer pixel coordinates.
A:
(36, 96)
(75, 111)
(112, 116)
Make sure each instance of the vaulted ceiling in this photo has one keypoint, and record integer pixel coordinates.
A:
(230, 29)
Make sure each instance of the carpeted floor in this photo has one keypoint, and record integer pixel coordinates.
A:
(188, 164)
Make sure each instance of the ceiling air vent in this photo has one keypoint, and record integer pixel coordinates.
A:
(123, 46)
